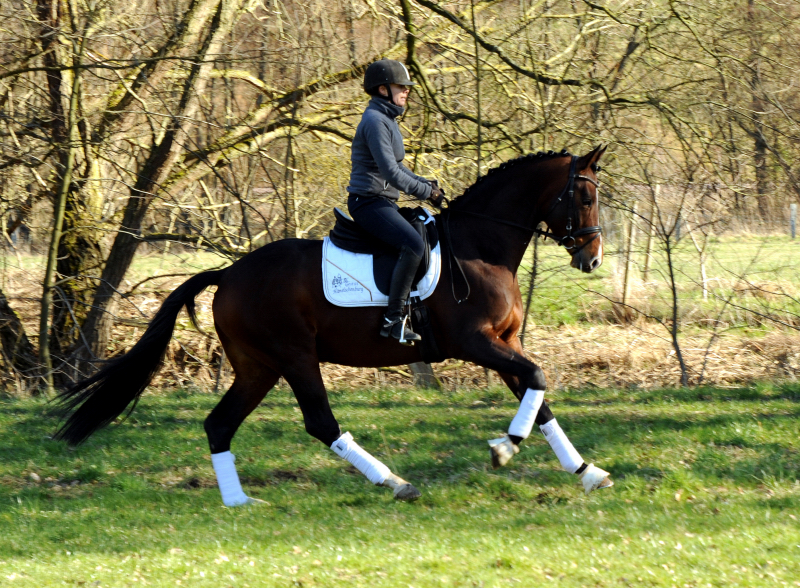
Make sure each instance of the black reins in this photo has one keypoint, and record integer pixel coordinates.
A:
(568, 241)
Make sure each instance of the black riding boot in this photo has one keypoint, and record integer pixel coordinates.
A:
(402, 281)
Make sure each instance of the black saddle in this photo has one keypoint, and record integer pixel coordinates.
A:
(348, 235)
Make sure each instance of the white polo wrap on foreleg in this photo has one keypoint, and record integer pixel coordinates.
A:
(526, 415)
(345, 447)
(228, 479)
(570, 459)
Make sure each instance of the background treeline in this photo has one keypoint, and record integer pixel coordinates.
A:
(175, 126)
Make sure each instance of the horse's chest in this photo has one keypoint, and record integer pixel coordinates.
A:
(503, 297)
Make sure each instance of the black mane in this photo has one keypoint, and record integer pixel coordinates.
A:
(539, 155)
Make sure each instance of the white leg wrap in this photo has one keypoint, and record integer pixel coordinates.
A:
(348, 449)
(228, 479)
(565, 452)
(528, 409)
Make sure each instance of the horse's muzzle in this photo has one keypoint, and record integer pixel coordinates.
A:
(589, 258)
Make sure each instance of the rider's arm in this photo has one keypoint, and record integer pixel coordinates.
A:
(408, 172)
(379, 141)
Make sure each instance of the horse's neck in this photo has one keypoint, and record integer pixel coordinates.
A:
(493, 236)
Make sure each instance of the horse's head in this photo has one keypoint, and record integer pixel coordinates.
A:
(574, 213)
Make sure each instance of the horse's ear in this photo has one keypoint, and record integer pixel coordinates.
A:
(591, 158)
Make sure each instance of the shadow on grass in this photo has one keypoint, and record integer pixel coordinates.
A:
(433, 442)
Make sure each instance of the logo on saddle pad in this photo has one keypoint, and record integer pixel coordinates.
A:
(343, 285)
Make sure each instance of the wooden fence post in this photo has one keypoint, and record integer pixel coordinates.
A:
(626, 283)
(424, 376)
(651, 233)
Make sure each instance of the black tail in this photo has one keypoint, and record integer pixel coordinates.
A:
(96, 401)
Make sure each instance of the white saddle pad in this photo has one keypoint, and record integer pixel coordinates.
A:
(347, 277)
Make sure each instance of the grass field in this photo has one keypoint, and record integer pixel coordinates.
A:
(750, 272)
(706, 494)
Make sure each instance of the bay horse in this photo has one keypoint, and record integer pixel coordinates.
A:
(273, 320)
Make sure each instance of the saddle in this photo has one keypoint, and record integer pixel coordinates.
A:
(348, 235)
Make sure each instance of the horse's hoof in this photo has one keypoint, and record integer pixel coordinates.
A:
(407, 493)
(402, 489)
(252, 501)
(594, 478)
(502, 450)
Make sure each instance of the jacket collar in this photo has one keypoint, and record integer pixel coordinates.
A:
(384, 106)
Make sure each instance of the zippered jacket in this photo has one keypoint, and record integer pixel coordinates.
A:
(378, 153)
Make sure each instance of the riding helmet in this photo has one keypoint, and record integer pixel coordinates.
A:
(386, 71)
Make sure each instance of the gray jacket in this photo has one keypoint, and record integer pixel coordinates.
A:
(378, 153)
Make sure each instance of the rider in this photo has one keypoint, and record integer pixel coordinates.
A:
(377, 177)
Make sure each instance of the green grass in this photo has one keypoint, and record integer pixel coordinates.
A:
(771, 284)
(706, 495)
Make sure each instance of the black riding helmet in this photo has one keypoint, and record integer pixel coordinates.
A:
(385, 72)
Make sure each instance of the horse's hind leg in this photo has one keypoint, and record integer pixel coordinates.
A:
(305, 379)
(591, 476)
(252, 383)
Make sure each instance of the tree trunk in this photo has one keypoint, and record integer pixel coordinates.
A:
(424, 376)
(760, 147)
(160, 162)
(18, 352)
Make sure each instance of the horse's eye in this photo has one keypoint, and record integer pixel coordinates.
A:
(587, 201)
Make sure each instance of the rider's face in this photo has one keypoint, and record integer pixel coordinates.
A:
(399, 93)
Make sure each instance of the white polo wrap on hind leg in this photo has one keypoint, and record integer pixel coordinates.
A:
(228, 479)
(347, 448)
(522, 423)
(570, 459)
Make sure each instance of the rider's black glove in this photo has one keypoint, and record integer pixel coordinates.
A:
(437, 194)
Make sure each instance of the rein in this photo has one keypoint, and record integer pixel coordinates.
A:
(570, 237)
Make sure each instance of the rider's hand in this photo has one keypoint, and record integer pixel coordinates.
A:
(437, 194)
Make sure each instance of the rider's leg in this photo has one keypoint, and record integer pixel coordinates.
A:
(399, 289)
(381, 218)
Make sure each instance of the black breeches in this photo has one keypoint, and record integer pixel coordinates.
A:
(380, 217)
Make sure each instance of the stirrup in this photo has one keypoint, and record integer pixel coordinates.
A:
(406, 336)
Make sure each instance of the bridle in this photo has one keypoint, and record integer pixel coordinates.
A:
(568, 241)
(569, 189)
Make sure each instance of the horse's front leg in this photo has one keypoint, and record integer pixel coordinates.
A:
(526, 380)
